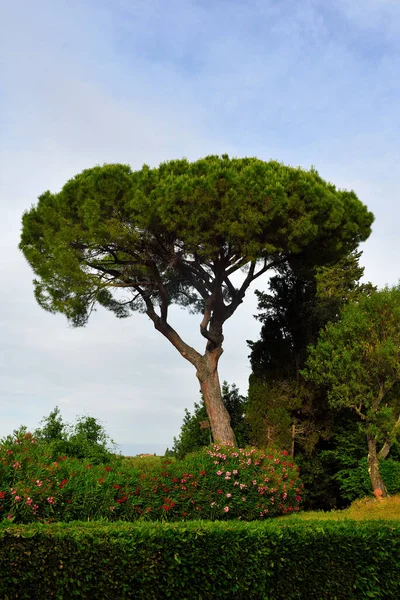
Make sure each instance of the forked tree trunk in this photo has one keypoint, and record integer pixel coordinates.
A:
(377, 482)
(207, 374)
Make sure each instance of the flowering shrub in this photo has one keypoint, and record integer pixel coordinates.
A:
(223, 482)
(216, 483)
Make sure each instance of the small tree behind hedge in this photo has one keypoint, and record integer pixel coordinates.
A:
(358, 360)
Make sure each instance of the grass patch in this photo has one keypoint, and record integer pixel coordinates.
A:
(360, 510)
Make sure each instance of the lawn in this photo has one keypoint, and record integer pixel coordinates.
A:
(360, 510)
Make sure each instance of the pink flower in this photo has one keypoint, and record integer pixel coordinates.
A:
(212, 504)
(229, 495)
(235, 471)
(228, 473)
(13, 491)
(219, 472)
(244, 499)
(112, 508)
(9, 516)
(50, 500)
(29, 501)
(242, 486)
(227, 477)
(215, 462)
(236, 483)
(254, 482)
(17, 498)
(39, 483)
(226, 509)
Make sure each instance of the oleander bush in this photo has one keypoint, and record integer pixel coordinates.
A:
(216, 483)
(283, 559)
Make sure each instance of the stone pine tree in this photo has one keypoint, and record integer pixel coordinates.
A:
(183, 233)
(358, 360)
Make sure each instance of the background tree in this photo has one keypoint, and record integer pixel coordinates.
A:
(177, 234)
(358, 360)
(301, 301)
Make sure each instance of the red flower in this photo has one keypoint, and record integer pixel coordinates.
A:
(116, 486)
(107, 468)
(64, 481)
(3, 494)
(202, 472)
(101, 480)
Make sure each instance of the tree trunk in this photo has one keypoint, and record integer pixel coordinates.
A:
(220, 420)
(377, 482)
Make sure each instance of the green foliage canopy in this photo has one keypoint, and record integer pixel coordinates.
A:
(358, 360)
(178, 232)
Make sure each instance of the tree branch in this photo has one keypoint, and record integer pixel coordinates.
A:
(172, 336)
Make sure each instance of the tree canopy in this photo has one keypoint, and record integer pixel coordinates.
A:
(358, 360)
(177, 234)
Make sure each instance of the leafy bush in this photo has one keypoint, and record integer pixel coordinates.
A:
(283, 560)
(215, 483)
(84, 439)
(355, 482)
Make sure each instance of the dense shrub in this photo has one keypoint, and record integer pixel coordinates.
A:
(279, 560)
(86, 438)
(215, 483)
(355, 482)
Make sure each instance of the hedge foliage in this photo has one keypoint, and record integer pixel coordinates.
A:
(279, 560)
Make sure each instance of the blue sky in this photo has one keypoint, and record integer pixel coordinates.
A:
(83, 83)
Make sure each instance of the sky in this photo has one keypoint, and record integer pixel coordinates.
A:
(144, 81)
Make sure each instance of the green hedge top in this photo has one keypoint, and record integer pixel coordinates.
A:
(278, 559)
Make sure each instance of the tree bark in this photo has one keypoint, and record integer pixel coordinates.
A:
(373, 468)
(207, 374)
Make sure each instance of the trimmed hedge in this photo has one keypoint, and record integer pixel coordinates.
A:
(200, 560)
